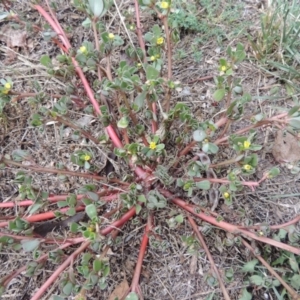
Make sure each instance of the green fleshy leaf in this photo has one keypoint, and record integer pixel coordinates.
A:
(203, 185)
(30, 245)
(91, 211)
(97, 7)
(219, 94)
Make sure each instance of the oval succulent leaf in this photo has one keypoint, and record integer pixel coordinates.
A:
(97, 7)
(123, 123)
(199, 135)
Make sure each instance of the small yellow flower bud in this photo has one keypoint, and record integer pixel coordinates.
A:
(226, 195)
(247, 144)
(247, 167)
(164, 5)
(7, 86)
(160, 41)
(83, 49)
(152, 58)
(86, 157)
(152, 146)
(91, 228)
(111, 36)
(223, 68)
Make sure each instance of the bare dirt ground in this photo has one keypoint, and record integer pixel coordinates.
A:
(169, 270)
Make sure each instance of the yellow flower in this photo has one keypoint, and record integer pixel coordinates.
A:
(226, 195)
(138, 65)
(247, 167)
(164, 5)
(111, 36)
(7, 88)
(152, 58)
(247, 144)
(223, 68)
(86, 157)
(91, 228)
(83, 49)
(152, 146)
(160, 41)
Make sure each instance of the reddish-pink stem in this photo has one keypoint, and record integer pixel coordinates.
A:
(139, 29)
(131, 212)
(142, 45)
(273, 227)
(259, 124)
(192, 144)
(203, 244)
(57, 198)
(221, 122)
(154, 123)
(56, 26)
(289, 223)
(292, 292)
(225, 181)
(110, 130)
(43, 216)
(138, 268)
(9, 277)
(48, 241)
(227, 226)
(58, 271)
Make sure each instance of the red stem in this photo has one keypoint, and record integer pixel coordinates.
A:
(131, 212)
(169, 46)
(138, 267)
(142, 45)
(56, 26)
(258, 124)
(9, 277)
(203, 244)
(273, 227)
(110, 130)
(292, 292)
(192, 144)
(57, 198)
(226, 181)
(58, 271)
(61, 268)
(154, 123)
(48, 241)
(227, 226)
(43, 216)
(139, 29)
